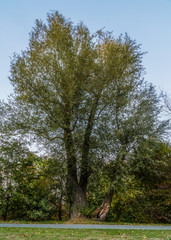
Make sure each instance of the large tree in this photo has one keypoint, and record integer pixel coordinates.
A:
(82, 94)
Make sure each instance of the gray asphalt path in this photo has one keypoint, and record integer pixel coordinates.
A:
(85, 226)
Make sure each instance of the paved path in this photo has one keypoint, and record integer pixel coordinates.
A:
(86, 226)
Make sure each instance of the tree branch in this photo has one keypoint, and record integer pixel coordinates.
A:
(85, 168)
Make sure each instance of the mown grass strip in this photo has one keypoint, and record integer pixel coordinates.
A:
(81, 234)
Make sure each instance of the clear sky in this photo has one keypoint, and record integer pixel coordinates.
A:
(146, 21)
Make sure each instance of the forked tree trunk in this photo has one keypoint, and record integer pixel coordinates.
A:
(77, 189)
(101, 212)
(76, 196)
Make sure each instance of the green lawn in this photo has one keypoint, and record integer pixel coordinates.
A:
(78, 234)
(84, 221)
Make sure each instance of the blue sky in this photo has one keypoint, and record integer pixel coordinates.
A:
(146, 21)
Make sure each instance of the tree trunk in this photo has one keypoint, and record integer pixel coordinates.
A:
(76, 190)
(79, 203)
(101, 212)
(60, 208)
(6, 209)
(80, 200)
(72, 181)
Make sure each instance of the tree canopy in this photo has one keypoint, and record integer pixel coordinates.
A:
(83, 96)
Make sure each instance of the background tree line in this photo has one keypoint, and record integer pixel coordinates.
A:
(34, 187)
(81, 97)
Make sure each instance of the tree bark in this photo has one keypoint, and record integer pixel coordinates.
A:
(72, 181)
(85, 163)
(101, 212)
(6, 209)
(77, 189)
(60, 208)
(79, 203)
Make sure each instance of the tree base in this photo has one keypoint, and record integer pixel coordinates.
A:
(101, 212)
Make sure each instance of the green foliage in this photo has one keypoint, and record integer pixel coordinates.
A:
(27, 192)
(148, 194)
(31, 187)
(82, 98)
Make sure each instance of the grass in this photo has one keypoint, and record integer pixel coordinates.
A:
(81, 234)
(84, 221)
(89, 221)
